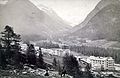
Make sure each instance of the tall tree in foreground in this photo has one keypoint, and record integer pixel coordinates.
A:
(31, 57)
(2, 58)
(40, 60)
(59, 67)
(54, 63)
(71, 65)
(10, 41)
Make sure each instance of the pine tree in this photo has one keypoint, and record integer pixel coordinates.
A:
(17, 49)
(54, 63)
(7, 37)
(31, 57)
(2, 58)
(59, 67)
(10, 41)
(71, 64)
(40, 60)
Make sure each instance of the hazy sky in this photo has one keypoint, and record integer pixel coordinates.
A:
(72, 11)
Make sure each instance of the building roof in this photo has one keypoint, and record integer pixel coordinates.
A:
(100, 58)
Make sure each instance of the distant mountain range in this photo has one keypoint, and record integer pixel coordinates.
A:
(36, 22)
(30, 20)
(102, 23)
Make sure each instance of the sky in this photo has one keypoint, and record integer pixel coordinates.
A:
(71, 11)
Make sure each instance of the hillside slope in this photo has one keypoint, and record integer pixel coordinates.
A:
(28, 19)
(102, 23)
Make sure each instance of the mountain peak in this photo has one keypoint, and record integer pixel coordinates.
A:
(102, 23)
(27, 16)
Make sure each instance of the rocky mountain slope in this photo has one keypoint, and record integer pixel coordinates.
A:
(102, 23)
(28, 19)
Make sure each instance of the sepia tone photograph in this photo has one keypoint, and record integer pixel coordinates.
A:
(59, 38)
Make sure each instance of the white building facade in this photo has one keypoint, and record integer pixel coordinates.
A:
(56, 51)
(102, 63)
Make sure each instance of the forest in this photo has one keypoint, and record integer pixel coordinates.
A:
(97, 51)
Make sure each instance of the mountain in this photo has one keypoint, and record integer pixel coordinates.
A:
(102, 23)
(28, 19)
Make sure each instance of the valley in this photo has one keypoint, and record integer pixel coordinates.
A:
(36, 42)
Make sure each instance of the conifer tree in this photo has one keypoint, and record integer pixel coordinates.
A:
(31, 57)
(40, 60)
(54, 63)
(59, 67)
(2, 58)
(10, 41)
(71, 64)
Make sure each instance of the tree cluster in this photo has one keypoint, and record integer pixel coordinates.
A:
(98, 51)
(10, 47)
(11, 53)
(71, 65)
(47, 45)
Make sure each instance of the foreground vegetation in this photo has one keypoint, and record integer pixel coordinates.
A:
(21, 74)
(13, 61)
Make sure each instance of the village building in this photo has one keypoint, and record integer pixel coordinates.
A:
(102, 63)
(56, 51)
(98, 63)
